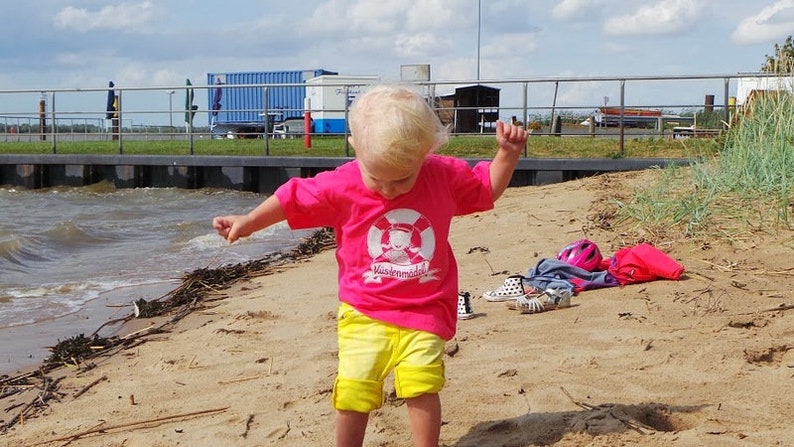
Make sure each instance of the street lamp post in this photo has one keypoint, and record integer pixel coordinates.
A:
(479, 28)
(171, 112)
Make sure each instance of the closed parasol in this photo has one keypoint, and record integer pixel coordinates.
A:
(110, 107)
(216, 97)
(190, 109)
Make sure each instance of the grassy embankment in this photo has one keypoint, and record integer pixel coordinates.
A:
(745, 188)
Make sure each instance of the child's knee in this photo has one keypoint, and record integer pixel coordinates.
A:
(358, 395)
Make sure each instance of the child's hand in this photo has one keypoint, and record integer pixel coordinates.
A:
(234, 227)
(511, 138)
(228, 227)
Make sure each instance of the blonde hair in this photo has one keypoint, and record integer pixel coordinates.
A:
(395, 126)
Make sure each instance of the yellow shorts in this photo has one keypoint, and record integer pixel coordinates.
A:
(370, 349)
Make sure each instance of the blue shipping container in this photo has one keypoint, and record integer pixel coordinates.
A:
(246, 105)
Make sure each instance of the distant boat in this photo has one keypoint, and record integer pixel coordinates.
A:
(632, 116)
(627, 111)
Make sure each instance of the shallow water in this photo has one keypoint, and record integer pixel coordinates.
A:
(71, 258)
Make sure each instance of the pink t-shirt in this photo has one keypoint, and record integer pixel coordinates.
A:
(395, 261)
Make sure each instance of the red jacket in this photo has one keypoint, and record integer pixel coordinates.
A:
(643, 263)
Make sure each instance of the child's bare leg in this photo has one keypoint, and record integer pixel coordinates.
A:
(350, 428)
(424, 414)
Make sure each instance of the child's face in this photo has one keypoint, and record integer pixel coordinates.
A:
(387, 181)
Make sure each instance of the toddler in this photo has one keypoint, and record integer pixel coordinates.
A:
(391, 210)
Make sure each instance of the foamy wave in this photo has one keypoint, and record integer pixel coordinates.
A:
(27, 305)
(278, 233)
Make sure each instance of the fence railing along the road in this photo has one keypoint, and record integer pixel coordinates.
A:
(627, 106)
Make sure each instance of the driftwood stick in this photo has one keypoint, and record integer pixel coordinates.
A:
(724, 268)
(771, 309)
(579, 404)
(108, 323)
(133, 334)
(132, 425)
(40, 398)
(238, 380)
(89, 386)
(630, 423)
(20, 377)
(248, 426)
(781, 307)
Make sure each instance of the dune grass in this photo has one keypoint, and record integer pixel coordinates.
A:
(747, 187)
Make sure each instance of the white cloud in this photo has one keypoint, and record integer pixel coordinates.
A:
(418, 44)
(665, 17)
(124, 16)
(432, 14)
(567, 10)
(771, 23)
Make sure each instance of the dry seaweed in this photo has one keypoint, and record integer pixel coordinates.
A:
(77, 349)
(195, 287)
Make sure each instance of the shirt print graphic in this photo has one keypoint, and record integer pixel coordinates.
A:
(402, 244)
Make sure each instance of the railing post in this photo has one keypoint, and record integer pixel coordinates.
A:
(347, 123)
(189, 94)
(622, 113)
(726, 100)
(119, 123)
(554, 106)
(53, 138)
(265, 98)
(526, 115)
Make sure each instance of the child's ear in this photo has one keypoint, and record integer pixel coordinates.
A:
(350, 140)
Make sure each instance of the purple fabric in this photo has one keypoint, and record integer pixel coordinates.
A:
(553, 273)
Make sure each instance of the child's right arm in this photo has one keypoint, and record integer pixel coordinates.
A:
(234, 227)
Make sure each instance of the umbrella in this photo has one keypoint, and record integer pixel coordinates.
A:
(216, 99)
(111, 102)
(188, 102)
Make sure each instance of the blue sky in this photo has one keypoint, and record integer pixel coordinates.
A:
(136, 43)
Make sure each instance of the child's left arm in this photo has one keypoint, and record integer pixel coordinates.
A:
(512, 140)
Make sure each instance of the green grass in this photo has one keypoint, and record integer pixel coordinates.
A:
(334, 146)
(744, 188)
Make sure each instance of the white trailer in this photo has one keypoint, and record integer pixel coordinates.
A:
(331, 96)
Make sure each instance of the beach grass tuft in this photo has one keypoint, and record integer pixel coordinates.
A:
(746, 187)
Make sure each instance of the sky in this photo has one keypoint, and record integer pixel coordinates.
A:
(52, 44)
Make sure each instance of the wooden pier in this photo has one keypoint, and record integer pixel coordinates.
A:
(256, 174)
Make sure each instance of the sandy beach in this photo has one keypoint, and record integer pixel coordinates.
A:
(704, 361)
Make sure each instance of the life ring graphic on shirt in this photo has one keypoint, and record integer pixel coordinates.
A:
(401, 244)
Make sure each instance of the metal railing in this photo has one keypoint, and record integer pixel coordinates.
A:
(541, 104)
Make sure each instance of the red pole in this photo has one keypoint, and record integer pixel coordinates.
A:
(307, 123)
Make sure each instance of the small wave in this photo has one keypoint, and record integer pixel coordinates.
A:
(102, 187)
(70, 235)
(20, 252)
